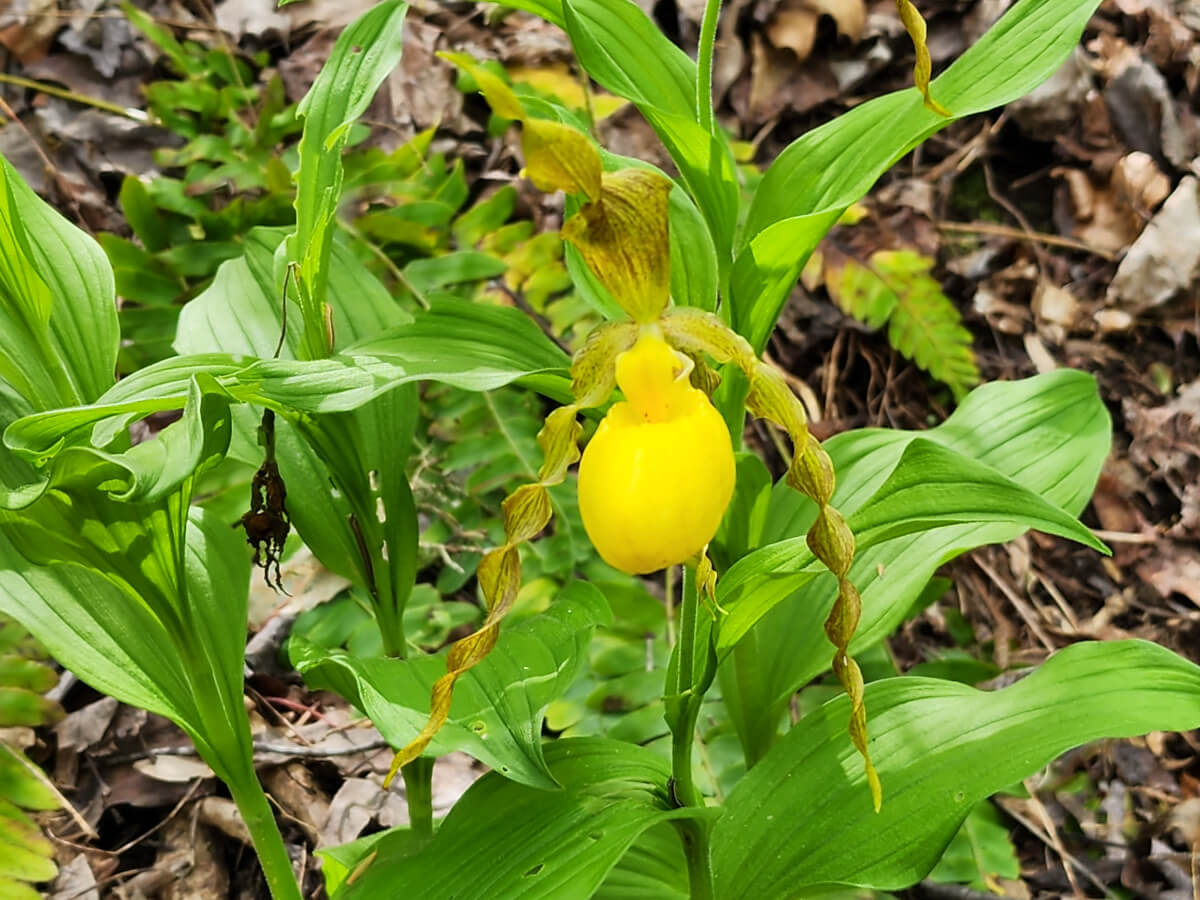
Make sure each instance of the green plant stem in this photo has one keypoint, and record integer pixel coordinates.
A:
(418, 791)
(704, 64)
(268, 843)
(693, 685)
(696, 850)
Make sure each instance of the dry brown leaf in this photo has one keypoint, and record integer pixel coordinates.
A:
(1174, 572)
(174, 769)
(75, 881)
(1097, 217)
(1140, 184)
(222, 813)
(296, 791)
(793, 25)
(1054, 305)
(793, 28)
(1164, 262)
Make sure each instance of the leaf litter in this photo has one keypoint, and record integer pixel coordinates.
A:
(1061, 232)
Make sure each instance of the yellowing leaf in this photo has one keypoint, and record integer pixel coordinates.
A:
(557, 81)
(500, 96)
(624, 240)
(559, 158)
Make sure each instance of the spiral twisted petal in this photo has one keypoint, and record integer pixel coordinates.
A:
(527, 510)
(811, 473)
(914, 24)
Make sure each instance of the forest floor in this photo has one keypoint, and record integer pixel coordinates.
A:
(1064, 228)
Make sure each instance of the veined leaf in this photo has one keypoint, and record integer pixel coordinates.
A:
(498, 706)
(468, 345)
(620, 47)
(503, 839)
(1050, 434)
(653, 867)
(58, 340)
(931, 487)
(808, 185)
(362, 57)
(980, 852)
(803, 815)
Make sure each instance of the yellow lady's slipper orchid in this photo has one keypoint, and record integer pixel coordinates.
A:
(656, 477)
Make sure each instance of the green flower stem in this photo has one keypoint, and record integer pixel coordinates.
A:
(704, 64)
(418, 791)
(693, 833)
(268, 843)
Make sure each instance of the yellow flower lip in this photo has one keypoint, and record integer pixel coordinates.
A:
(658, 474)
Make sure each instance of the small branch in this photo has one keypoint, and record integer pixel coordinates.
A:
(260, 747)
(127, 112)
(1007, 231)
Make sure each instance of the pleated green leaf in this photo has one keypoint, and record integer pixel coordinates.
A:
(807, 187)
(504, 839)
(498, 706)
(1049, 434)
(803, 815)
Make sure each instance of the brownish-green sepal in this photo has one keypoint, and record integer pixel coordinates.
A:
(703, 376)
(706, 583)
(526, 512)
(914, 24)
(594, 368)
(623, 237)
(557, 157)
(830, 539)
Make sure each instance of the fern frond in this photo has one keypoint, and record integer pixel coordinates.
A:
(25, 855)
(896, 287)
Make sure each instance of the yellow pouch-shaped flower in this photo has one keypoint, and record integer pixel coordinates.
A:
(656, 477)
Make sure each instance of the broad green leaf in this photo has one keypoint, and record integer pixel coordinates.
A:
(460, 267)
(1050, 434)
(980, 852)
(653, 867)
(693, 256)
(550, 10)
(498, 706)
(240, 312)
(619, 46)
(931, 487)
(93, 625)
(339, 863)
(364, 450)
(58, 317)
(504, 839)
(468, 345)
(803, 814)
(807, 187)
(137, 609)
(362, 57)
